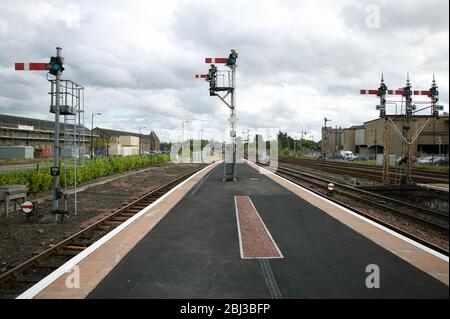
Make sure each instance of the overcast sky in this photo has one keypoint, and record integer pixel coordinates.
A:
(299, 60)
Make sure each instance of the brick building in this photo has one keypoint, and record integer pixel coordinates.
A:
(107, 137)
(368, 139)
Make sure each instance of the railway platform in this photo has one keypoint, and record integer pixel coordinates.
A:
(261, 237)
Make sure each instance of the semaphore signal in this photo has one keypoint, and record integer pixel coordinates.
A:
(410, 109)
(211, 77)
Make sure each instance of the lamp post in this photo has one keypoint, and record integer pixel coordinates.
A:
(182, 129)
(301, 143)
(201, 137)
(92, 133)
(185, 153)
(295, 138)
(375, 141)
(140, 133)
(325, 138)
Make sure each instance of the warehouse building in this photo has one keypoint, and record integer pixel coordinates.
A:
(368, 139)
(18, 134)
(331, 141)
(39, 134)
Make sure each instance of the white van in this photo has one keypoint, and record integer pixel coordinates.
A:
(346, 155)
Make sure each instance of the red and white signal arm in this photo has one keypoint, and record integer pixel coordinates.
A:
(330, 187)
(216, 60)
(27, 207)
(32, 66)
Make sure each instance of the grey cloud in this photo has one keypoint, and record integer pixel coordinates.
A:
(140, 69)
(399, 16)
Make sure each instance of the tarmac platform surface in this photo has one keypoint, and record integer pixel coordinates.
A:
(194, 252)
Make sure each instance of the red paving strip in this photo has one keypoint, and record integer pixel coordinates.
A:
(254, 239)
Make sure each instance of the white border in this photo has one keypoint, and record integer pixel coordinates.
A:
(280, 255)
(268, 232)
(239, 228)
(45, 282)
(389, 231)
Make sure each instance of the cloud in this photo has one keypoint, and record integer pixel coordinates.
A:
(299, 61)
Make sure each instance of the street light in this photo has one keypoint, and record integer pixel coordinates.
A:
(182, 129)
(301, 143)
(201, 138)
(92, 133)
(140, 130)
(185, 153)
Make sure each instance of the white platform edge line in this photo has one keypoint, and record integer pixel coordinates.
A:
(389, 231)
(49, 279)
(280, 255)
(241, 250)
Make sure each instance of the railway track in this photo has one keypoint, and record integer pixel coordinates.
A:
(374, 206)
(21, 277)
(366, 171)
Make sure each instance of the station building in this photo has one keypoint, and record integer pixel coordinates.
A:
(368, 139)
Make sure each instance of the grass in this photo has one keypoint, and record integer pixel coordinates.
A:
(38, 181)
(24, 161)
(419, 167)
(431, 168)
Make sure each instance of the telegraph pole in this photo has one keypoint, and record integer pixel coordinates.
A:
(295, 147)
(386, 174)
(301, 143)
(335, 141)
(140, 133)
(92, 133)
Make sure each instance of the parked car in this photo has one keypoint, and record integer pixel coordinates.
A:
(361, 158)
(435, 160)
(425, 160)
(440, 160)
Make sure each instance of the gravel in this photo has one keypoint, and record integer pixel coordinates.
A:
(20, 238)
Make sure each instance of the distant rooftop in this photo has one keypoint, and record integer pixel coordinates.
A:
(124, 133)
(15, 121)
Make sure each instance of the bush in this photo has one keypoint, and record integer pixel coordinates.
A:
(286, 152)
(37, 181)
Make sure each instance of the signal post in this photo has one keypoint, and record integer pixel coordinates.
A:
(230, 167)
(54, 67)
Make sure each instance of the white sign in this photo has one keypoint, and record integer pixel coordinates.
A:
(25, 127)
(27, 207)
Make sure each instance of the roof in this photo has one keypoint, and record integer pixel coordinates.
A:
(334, 131)
(394, 117)
(110, 132)
(154, 136)
(14, 121)
(116, 132)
